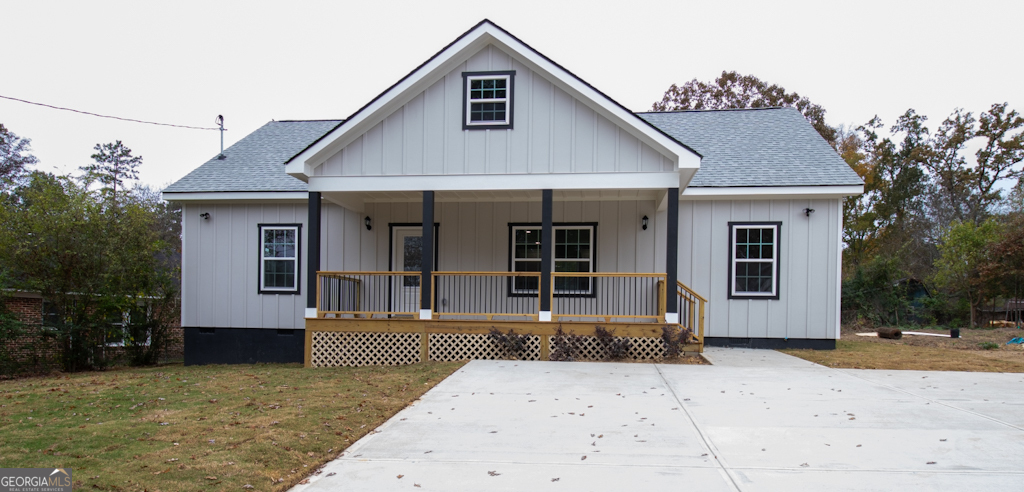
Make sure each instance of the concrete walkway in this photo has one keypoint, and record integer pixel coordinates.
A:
(757, 420)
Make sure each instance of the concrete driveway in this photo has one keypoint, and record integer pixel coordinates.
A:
(757, 420)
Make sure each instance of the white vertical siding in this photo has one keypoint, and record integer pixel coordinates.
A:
(220, 256)
(220, 267)
(553, 133)
(808, 253)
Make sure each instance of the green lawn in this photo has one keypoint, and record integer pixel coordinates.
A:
(176, 428)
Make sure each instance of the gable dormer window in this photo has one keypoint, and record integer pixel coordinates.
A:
(487, 100)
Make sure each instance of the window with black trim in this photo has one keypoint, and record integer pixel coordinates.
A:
(487, 100)
(754, 260)
(573, 252)
(279, 258)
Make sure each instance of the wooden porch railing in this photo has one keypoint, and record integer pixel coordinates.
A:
(620, 297)
(485, 294)
(586, 296)
(367, 294)
(691, 310)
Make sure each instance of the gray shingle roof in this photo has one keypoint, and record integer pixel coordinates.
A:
(256, 162)
(743, 147)
(755, 147)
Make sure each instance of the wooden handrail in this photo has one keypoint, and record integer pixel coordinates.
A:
(606, 274)
(690, 291)
(696, 318)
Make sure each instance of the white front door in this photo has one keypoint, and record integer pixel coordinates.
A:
(407, 256)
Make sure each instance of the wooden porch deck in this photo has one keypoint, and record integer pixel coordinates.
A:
(362, 318)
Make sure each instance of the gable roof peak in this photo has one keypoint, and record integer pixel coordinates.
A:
(485, 32)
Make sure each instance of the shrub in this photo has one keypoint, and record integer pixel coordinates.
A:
(675, 339)
(564, 346)
(614, 348)
(989, 345)
(512, 345)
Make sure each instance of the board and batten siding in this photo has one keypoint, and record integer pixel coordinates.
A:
(553, 133)
(474, 236)
(220, 255)
(808, 256)
(220, 267)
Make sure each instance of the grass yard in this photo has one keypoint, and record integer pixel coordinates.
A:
(176, 428)
(924, 353)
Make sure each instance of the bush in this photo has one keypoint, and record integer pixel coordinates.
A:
(875, 293)
(512, 345)
(675, 339)
(614, 348)
(565, 346)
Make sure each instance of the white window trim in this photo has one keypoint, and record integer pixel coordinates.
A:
(554, 258)
(295, 259)
(734, 228)
(507, 100)
(126, 319)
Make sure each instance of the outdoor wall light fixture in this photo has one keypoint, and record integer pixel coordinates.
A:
(205, 215)
(367, 222)
(808, 211)
(644, 222)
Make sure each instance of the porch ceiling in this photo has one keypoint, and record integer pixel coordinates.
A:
(356, 200)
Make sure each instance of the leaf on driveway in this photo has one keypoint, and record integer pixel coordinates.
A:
(400, 477)
(493, 473)
(555, 479)
(583, 458)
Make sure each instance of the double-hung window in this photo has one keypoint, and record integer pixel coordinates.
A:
(279, 258)
(573, 252)
(754, 260)
(488, 100)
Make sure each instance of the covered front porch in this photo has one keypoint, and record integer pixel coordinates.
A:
(414, 311)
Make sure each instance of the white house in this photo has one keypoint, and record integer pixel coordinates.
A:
(523, 198)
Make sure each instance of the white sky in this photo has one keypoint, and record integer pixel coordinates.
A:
(185, 62)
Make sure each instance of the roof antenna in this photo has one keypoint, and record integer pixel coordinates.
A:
(219, 121)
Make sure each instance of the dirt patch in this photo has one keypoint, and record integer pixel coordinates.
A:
(925, 353)
(970, 339)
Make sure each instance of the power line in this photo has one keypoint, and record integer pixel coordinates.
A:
(106, 116)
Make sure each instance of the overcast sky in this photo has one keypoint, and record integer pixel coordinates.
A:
(185, 62)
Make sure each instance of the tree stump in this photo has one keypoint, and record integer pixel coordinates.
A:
(891, 333)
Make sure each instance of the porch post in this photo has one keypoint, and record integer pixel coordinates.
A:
(672, 257)
(313, 252)
(427, 261)
(547, 240)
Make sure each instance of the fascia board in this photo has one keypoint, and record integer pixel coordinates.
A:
(770, 192)
(489, 182)
(214, 196)
(684, 157)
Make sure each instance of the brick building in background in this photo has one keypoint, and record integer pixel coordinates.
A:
(39, 351)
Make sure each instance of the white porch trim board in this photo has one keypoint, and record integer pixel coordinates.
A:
(236, 196)
(769, 192)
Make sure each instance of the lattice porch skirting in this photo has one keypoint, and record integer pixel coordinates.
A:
(640, 348)
(334, 349)
(462, 346)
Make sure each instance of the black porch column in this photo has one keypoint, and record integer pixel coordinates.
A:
(672, 257)
(427, 261)
(547, 240)
(312, 252)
